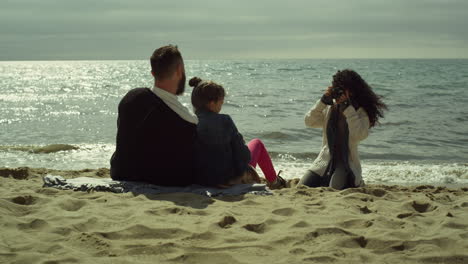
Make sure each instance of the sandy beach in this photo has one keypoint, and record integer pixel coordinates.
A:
(375, 224)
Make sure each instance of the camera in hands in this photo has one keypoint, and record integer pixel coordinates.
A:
(336, 92)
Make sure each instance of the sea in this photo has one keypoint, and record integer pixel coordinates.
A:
(63, 114)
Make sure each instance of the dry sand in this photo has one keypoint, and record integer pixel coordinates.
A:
(375, 224)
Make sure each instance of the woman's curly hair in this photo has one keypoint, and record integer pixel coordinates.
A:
(361, 93)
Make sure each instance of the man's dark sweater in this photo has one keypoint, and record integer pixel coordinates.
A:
(154, 144)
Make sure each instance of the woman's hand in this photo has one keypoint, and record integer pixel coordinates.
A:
(326, 98)
(328, 91)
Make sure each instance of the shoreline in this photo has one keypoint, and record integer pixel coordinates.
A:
(26, 172)
(372, 224)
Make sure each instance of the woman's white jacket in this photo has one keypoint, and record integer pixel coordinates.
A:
(358, 126)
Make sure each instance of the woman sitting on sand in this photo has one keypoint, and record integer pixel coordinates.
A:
(222, 158)
(346, 112)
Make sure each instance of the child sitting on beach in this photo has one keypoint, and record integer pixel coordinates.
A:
(222, 158)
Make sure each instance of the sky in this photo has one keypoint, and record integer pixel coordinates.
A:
(237, 29)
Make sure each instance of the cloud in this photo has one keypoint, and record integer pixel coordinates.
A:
(113, 29)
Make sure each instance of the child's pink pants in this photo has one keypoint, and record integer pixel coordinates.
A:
(259, 155)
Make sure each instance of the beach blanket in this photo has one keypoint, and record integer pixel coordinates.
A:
(87, 184)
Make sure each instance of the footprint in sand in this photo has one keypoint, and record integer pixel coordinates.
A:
(297, 251)
(300, 224)
(250, 202)
(377, 192)
(17, 173)
(175, 210)
(93, 242)
(208, 257)
(356, 223)
(320, 259)
(365, 210)
(35, 224)
(455, 225)
(204, 236)
(453, 259)
(354, 242)
(361, 241)
(86, 224)
(144, 249)
(63, 231)
(256, 228)
(24, 200)
(404, 215)
(144, 232)
(71, 205)
(422, 207)
(227, 221)
(284, 211)
(325, 232)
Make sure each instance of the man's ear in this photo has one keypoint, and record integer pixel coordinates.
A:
(180, 70)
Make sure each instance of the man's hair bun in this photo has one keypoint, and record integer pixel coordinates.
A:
(194, 81)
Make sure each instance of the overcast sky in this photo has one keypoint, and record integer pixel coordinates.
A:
(236, 29)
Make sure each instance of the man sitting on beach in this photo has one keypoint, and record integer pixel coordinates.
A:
(155, 132)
